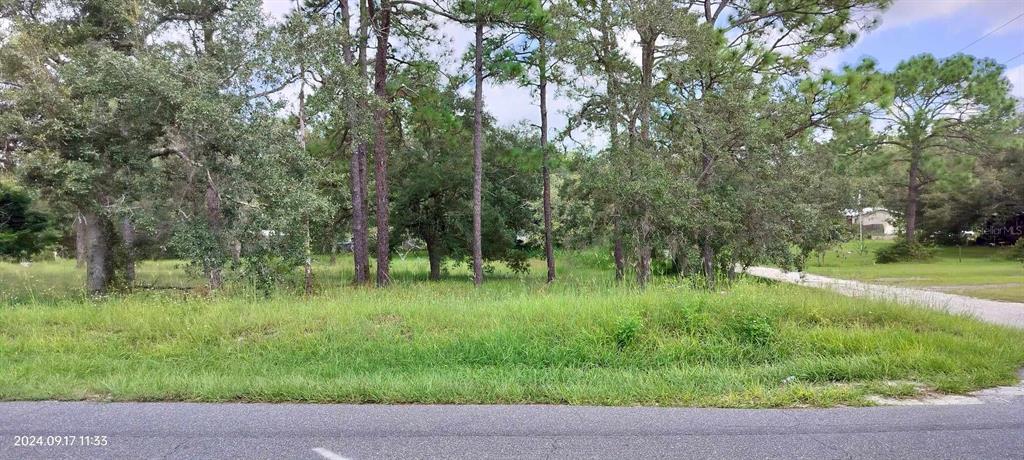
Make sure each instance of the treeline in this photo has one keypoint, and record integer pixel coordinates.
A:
(168, 121)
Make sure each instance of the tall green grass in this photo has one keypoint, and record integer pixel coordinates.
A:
(583, 340)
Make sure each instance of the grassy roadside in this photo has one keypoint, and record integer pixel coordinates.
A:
(581, 341)
(982, 272)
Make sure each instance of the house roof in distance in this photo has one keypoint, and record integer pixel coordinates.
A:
(865, 211)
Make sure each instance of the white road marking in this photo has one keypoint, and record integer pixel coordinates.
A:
(328, 454)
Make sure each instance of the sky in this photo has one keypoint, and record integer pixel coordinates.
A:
(984, 28)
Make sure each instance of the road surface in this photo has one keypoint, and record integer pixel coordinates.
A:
(993, 311)
(990, 430)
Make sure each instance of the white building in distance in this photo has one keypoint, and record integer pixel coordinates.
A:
(876, 221)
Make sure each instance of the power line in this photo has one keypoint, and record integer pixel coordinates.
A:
(1013, 58)
(990, 32)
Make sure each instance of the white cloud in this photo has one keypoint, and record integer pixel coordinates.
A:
(1016, 77)
(511, 104)
(833, 61)
(907, 12)
(289, 98)
(276, 9)
(629, 40)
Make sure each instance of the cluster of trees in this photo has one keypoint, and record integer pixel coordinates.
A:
(948, 149)
(163, 121)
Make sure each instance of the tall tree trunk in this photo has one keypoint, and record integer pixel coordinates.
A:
(380, 143)
(357, 165)
(707, 251)
(611, 90)
(608, 45)
(128, 240)
(360, 243)
(307, 265)
(478, 169)
(682, 261)
(643, 265)
(364, 147)
(334, 249)
(617, 253)
(214, 213)
(647, 42)
(434, 255)
(549, 250)
(307, 243)
(81, 243)
(708, 259)
(99, 236)
(913, 194)
(215, 223)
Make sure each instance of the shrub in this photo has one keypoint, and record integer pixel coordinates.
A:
(25, 230)
(1017, 252)
(903, 251)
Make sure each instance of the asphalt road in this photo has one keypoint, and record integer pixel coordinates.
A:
(991, 430)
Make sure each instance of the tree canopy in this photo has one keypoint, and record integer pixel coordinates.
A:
(242, 144)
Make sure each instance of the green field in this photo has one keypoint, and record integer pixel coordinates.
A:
(974, 271)
(581, 341)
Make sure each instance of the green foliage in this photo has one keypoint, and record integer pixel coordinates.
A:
(25, 230)
(432, 180)
(1017, 253)
(193, 241)
(942, 117)
(992, 189)
(725, 168)
(171, 134)
(904, 251)
(711, 151)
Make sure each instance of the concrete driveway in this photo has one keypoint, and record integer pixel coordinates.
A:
(1005, 313)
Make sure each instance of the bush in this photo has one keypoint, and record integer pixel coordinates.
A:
(904, 251)
(25, 230)
(1017, 252)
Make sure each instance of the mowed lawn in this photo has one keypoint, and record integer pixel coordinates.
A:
(583, 340)
(983, 272)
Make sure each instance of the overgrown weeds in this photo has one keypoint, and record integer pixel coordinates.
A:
(583, 340)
